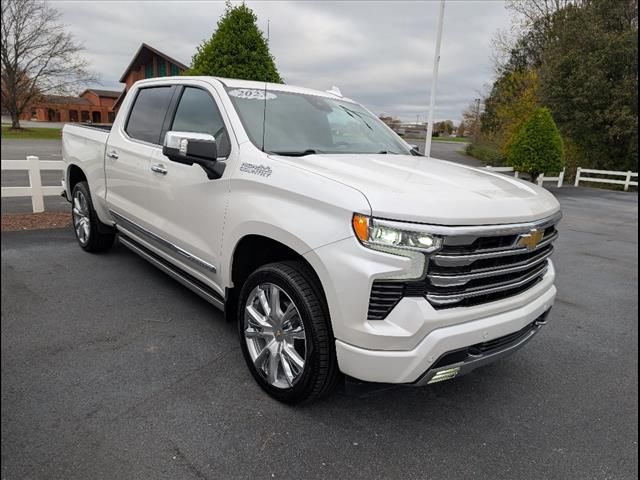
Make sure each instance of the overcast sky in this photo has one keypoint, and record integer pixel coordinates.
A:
(377, 52)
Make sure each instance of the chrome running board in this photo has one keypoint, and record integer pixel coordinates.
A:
(184, 278)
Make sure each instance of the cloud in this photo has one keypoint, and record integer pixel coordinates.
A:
(378, 52)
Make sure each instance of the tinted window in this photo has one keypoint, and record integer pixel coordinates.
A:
(197, 112)
(147, 114)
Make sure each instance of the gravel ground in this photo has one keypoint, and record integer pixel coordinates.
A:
(32, 221)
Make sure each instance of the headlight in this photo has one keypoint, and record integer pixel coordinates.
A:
(394, 237)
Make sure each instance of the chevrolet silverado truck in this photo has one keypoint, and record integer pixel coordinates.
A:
(336, 247)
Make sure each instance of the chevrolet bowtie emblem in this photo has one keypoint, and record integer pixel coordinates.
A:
(530, 240)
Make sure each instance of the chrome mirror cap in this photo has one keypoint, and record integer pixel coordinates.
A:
(179, 141)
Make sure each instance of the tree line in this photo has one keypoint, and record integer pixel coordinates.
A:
(566, 84)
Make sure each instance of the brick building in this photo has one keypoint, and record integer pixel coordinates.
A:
(99, 106)
(92, 105)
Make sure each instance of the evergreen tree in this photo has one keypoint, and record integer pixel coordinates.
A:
(537, 146)
(237, 49)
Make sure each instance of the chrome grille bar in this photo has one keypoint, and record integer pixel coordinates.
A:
(442, 299)
(460, 260)
(481, 230)
(462, 279)
(487, 263)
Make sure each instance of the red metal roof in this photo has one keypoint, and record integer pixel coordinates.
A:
(143, 55)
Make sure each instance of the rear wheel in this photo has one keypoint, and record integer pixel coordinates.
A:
(92, 235)
(285, 333)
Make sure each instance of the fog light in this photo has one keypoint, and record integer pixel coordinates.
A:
(446, 374)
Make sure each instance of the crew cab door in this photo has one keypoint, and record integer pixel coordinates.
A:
(186, 209)
(129, 148)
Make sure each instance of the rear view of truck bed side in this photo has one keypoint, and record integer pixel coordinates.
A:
(83, 149)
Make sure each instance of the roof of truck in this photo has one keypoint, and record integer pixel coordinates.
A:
(278, 87)
(250, 84)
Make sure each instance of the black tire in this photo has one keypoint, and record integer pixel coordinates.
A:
(100, 237)
(320, 373)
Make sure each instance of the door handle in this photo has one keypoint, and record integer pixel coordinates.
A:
(113, 154)
(159, 168)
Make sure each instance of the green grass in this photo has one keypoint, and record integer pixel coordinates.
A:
(451, 139)
(37, 133)
(486, 152)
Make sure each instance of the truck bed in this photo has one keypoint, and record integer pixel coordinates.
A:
(99, 126)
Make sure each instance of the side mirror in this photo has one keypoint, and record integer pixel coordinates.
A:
(415, 150)
(190, 147)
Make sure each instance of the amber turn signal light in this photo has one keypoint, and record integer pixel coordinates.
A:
(361, 227)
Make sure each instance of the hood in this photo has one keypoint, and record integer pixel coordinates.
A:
(427, 190)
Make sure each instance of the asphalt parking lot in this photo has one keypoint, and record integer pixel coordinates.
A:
(110, 370)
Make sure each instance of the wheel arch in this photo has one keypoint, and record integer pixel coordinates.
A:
(74, 175)
(252, 251)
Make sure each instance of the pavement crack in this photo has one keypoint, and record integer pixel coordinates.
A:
(190, 466)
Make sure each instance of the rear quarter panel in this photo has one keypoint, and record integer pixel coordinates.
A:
(84, 147)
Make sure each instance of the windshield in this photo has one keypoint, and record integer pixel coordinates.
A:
(301, 124)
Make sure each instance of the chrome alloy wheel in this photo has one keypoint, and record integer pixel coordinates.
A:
(275, 336)
(80, 214)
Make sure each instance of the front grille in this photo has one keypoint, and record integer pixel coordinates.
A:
(472, 268)
(460, 275)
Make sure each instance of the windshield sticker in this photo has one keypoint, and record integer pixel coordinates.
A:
(252, 94)
(260, 170)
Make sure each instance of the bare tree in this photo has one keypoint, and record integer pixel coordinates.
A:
(38, 57)
(471, 119)
(461, 130)
(531, 21)
(502, 42)
(530, 12)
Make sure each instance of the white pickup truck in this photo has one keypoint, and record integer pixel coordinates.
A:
(334, 246)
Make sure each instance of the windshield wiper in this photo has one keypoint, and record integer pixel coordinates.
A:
(353, 114)
(385, 152)
(309, 151)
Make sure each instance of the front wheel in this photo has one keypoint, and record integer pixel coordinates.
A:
(92, 235)
(285, 333)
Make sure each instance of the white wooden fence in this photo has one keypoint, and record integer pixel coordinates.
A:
(516, 174)
(540, 180)
(560, 178)
(626, 182)
(35, 190)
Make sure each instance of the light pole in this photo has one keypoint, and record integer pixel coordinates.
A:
(434, 82)
(476, 126)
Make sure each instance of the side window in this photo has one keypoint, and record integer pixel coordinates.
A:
(147, 115)
(198, 112)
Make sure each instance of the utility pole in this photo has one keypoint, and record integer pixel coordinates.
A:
(476, 126)
(434, 82)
